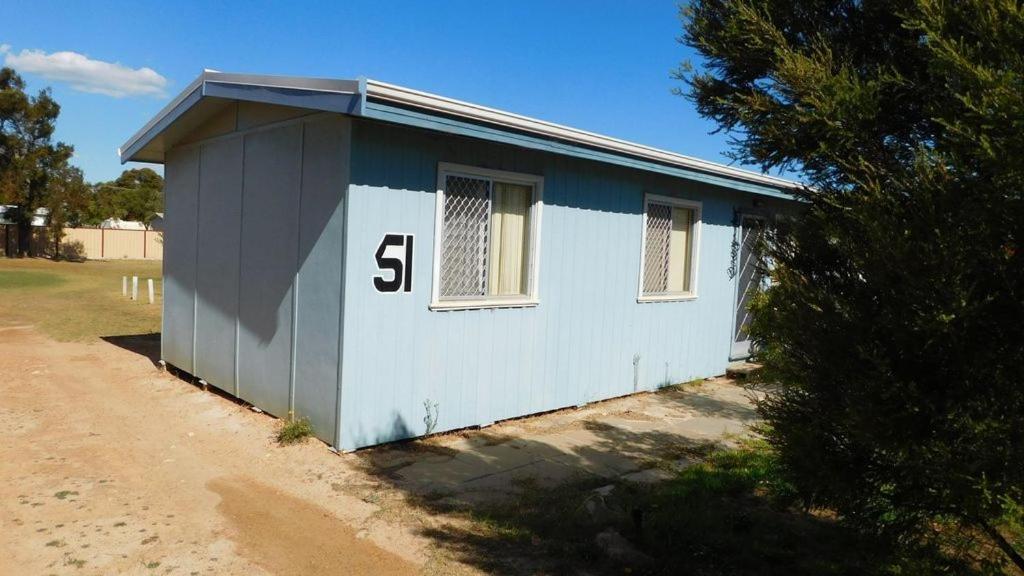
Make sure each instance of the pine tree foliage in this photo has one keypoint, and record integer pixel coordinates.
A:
(895, 321)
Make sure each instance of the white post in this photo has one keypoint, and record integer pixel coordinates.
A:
(150, 283)
(124, 285)
(135, 287)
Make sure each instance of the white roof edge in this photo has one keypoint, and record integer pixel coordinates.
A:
(444, 105)
(326, 85)
(467, 110)
(163, 112)
(308, 83)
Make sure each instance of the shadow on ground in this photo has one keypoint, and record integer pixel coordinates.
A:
(712, 406)
(147, 345)
(598, 497)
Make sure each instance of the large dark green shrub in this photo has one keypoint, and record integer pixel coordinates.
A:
(896, 318)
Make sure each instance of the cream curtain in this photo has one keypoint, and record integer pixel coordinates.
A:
(510, 224)
(679, 250)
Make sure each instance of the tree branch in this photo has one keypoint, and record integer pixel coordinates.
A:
(1004, 545)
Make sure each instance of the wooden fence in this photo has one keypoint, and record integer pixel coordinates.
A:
(90, 243)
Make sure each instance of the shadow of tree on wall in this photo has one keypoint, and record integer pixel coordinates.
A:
(573, 502)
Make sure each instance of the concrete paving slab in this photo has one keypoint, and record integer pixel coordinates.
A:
(611, 439)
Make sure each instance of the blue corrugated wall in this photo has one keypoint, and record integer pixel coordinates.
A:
(588, 339)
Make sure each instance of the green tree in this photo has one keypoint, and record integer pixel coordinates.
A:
(136, 194)
(67, 200)
(28, 155)
(896, 318)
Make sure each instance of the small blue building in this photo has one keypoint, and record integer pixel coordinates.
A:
(390, 263)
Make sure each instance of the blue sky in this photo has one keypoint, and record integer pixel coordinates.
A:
(598, 65)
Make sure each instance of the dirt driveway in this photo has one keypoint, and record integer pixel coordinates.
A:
(109, 466)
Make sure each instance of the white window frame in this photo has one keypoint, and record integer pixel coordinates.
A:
(532, 298)
(698, 221)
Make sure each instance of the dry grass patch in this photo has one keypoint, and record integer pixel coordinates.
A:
(72, 301)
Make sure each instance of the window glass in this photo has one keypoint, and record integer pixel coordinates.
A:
(668, 249)
(485, 238)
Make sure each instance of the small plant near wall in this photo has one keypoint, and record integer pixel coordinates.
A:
(430, 419)
(294, 430)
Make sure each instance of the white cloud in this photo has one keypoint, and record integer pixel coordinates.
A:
(85, 74)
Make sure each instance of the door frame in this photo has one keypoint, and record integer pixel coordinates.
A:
(734, 352)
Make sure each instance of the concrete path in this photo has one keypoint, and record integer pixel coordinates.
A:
(616, 438)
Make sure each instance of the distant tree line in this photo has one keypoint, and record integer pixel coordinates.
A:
(35, 171)
(136, 194)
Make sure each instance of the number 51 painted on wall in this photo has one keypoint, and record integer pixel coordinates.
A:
(394, 254)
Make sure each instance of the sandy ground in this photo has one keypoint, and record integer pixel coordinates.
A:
(108, 465)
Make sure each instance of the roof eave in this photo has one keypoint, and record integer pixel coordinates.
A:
(406, 97)
(313, 93)
(382, 101)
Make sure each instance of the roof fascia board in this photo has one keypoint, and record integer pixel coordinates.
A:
(399, 115)
(297, 82)
(439, 104)
(314, 93)
(345, 103)
(387, 102)
(161, 121)
(362, 82)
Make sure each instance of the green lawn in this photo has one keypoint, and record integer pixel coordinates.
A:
(72, 301)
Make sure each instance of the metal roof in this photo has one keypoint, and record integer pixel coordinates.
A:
(208, 93)
(8, 215)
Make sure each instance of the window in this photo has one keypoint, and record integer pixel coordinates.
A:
(668, 266)
(486, 238)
